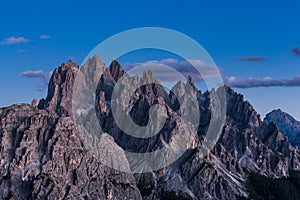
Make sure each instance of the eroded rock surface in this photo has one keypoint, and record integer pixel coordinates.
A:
(43, 158)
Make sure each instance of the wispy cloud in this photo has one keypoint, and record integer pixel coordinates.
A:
(44, 37)
(296, 51)
(39, 74)
(261, 82)
(185, 68)
(21, 50)
(14, 40)
(252, 59)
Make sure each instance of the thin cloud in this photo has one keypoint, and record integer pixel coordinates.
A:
(44, 77)
(261, 82)
(296, 51)
(44, 37)
(184, 68)
(22, 50)
(252, 59)
(14, 40)
(33, 74)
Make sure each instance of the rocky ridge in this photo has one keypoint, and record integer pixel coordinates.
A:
(43, 158)
(288, 125)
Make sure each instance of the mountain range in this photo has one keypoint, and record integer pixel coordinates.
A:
(43, 157)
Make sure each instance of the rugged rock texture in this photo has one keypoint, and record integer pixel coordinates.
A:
(245, 145)
(43, 157)
(61, 85)
(288, 125)
(59, 98)
(116, 70)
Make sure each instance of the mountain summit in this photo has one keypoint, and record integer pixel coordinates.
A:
(288, 125)
(42, 156)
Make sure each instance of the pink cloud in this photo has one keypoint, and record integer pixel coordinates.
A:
(14, 40)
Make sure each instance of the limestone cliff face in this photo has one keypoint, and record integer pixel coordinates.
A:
(42, 156)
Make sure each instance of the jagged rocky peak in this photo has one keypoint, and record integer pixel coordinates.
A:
(106, 84)
(192, 82)
(288, 125)
(148, 78)
(182, 90)
(177, 89)
(182, 87)
(109, 78)
(150, 86)
(92, 70)
(280, 116)
(43, 158)
(241, 111)
(116, 70)
(93, 62)
(60, 90)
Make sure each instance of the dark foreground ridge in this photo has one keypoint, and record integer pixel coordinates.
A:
(42, 157)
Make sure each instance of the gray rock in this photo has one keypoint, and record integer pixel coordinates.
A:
(59, 97)
(246, 144)
(43, 157)
(288, 125)
(34, 103)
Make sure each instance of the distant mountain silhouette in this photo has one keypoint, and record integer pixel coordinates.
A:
(288, 125)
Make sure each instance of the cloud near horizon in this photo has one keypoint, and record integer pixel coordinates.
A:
(252, 59)
(184, 69)
(44, 77)
(44, 37)
(14, 40)
(261, 82)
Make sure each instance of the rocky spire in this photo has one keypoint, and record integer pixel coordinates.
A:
(59, 97)
(116, 70)
(92, 70)
(60, 89)
(192, 82)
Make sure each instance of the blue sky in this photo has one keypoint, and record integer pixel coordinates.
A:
(245, 38)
